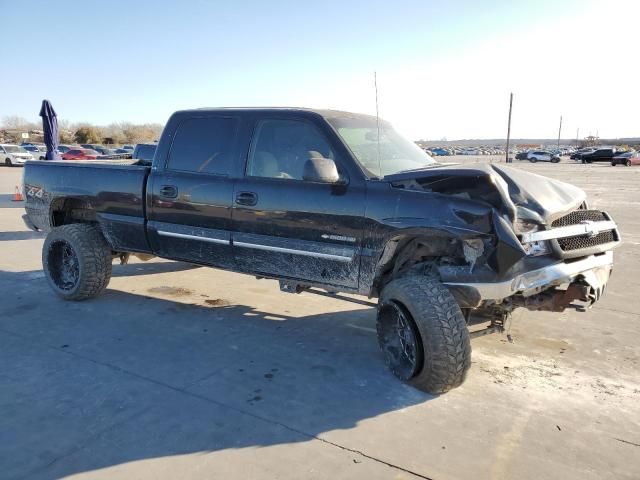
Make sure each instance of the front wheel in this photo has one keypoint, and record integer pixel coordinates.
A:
(533, 160)
(628, 163)
(8, 162)
(423, 334)
(76, 260)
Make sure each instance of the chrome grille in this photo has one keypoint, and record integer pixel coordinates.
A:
(577, 216)
(580, 242)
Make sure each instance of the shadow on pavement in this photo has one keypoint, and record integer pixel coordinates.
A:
(21, 235)
(129, 377)
(6, 201)
(151, 268)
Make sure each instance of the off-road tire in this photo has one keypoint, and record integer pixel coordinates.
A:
(444, 355)
(93, 255)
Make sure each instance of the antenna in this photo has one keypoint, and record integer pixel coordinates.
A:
(375, 84)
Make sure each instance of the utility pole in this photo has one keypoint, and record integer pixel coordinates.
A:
(559, 130)
(509, 128)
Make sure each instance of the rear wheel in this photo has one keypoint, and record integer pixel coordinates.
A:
(423, 334)
(555, 160)
(613, 163)
(628, 163)
(7, 162)
(76, 260)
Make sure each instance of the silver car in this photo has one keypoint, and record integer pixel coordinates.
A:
(14, 155)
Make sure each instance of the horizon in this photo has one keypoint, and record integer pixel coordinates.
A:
(435, 77)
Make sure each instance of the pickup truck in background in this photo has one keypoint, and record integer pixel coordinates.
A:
(144, 152)
(336, 201)
(600, 155)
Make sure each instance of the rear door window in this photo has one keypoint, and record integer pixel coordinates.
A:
(204, 145)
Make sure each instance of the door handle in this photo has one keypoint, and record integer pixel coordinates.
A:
(247, 198)
(169, 191)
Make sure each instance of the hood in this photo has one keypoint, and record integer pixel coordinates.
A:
(512, 191)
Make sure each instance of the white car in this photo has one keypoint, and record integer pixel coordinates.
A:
(542, 156)
(38, 152)
(14, 155)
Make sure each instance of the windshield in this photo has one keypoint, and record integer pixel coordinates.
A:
(391, 154)
(14, 149)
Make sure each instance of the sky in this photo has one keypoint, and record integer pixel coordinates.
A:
(444, 68)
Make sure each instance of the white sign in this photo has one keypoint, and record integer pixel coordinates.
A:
(25, 135)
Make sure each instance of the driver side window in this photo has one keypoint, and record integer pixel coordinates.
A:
(280, 149)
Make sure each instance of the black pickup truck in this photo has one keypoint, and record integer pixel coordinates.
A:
(600, 155)
(336, 201)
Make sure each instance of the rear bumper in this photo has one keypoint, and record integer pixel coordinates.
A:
(594, 270)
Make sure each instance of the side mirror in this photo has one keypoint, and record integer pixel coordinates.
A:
(320, 170)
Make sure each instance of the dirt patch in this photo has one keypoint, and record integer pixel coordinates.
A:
(550, 375)
(173, 291)
(217, 302)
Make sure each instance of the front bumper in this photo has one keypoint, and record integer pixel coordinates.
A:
(594, 270)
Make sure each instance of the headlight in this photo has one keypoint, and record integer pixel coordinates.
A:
(535, 249)
(526, 226)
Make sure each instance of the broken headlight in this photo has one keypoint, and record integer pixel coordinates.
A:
(526, 226)
(533, 249)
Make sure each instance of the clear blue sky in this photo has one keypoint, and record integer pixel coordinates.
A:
(440, 63)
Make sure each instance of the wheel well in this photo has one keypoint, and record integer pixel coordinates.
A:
(407, 253)
(71, 210)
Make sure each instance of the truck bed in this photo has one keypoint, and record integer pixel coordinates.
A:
(114, 191)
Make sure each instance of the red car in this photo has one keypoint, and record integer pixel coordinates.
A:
(80, 154)
(627, 158)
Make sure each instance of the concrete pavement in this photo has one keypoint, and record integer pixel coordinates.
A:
(188, 372)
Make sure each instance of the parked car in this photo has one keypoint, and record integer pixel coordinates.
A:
(627, 158)
(92, 146)
(128, 147)
(65, 148)
(39, 152)
(542, 156)
(605, 154)
(14, 155)
(80, 154)
(144, 152)
(577, 155)
(440, 152)
(522, 156)
(313, 198)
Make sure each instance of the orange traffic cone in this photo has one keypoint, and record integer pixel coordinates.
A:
(17, 196)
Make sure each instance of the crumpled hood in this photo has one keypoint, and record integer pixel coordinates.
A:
(516, 192)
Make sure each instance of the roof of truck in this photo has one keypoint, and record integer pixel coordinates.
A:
(318, 111)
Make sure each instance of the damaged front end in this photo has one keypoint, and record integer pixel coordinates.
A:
(546, 249)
